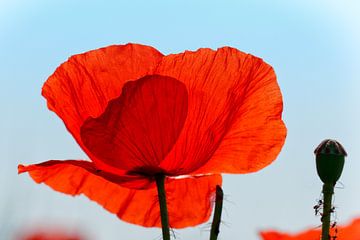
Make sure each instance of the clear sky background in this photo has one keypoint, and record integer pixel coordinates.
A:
(314, 47)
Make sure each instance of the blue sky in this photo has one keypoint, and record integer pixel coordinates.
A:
(313, 47)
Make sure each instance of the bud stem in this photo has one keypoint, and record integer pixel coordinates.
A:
(328, 190)
(160, 183)
(215, 226)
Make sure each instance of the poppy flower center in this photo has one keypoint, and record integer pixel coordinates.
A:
(147, 171)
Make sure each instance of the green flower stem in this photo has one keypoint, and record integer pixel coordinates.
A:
(160, 183)
(328, 190)
(215, 226)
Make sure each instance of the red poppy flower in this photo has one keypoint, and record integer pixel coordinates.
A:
(137, 113)
(348, 232)
(49, 235)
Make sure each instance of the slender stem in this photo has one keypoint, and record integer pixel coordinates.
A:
(160, 183)
(328, 190)
(215, 226)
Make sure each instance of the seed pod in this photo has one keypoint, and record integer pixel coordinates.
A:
(330, 157)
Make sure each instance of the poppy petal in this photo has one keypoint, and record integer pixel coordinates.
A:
(139, 128)
(347, 232)
(234, 114)
(189, 199)
(272, 235)
(83, 86)
(70, 168)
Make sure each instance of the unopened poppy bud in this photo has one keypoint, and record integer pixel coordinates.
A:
(330, 156)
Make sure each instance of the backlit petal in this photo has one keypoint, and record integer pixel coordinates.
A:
(189, 199)
(139, 128)
(78, 170)
(234, 116)
(83, 86)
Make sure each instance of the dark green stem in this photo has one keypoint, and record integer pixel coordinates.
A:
(215, 226)
(160, 183)
(328, 190)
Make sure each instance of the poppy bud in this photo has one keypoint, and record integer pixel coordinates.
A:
(330, 156)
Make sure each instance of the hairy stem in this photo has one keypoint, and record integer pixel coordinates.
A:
(215, 226)
(328, 190)
(160, 183)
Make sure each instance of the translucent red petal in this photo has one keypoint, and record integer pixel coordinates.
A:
(82, 87)
(234, 119)
(139, 128)
(189, 199)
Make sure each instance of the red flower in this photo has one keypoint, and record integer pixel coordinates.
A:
(137, 113)
(348, 232)
(49, 235)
